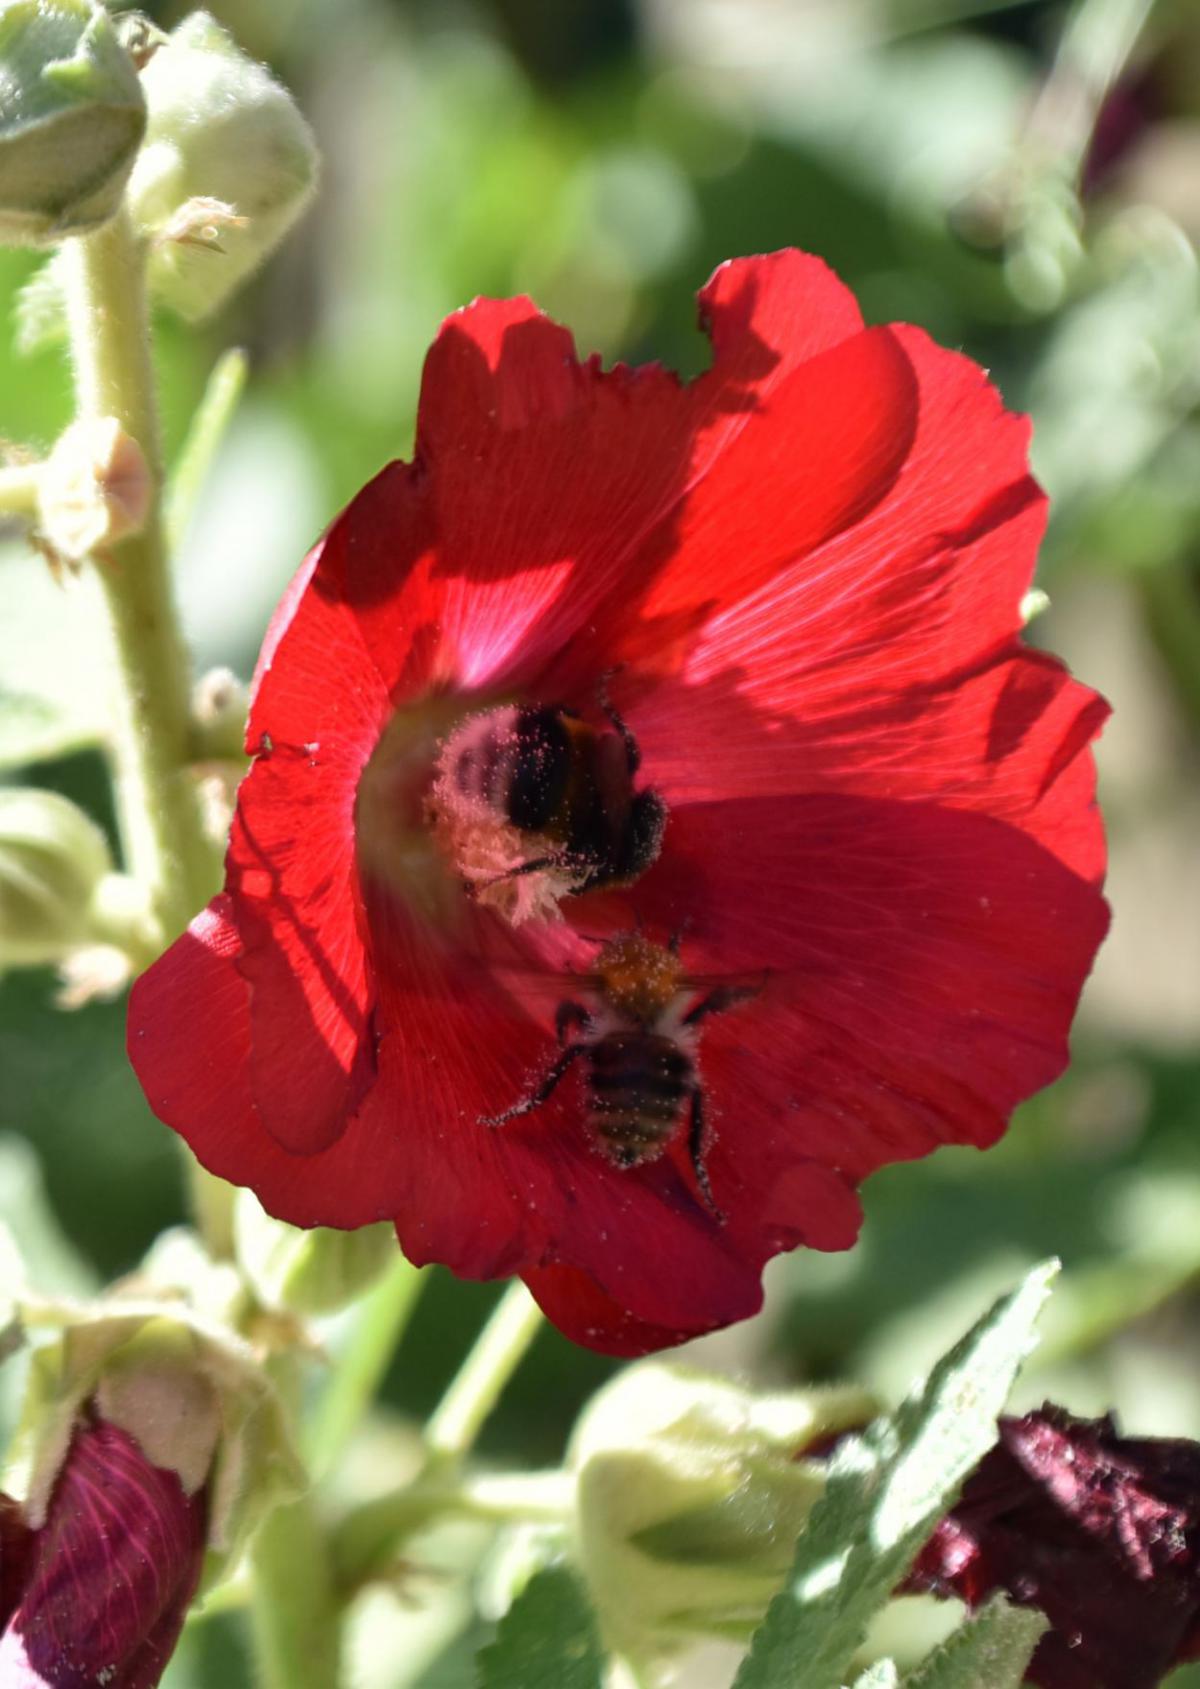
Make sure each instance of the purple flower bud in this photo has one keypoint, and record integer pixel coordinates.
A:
(1101, 1532)
(98, 1594)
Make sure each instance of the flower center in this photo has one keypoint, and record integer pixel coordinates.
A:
(526, 803)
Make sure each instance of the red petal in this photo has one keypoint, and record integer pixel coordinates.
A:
(485, 1200)
(537, 479)
(190, 1042)
(113, 1572)
(291, 876)
(921, 969)
(812, 458)
(580, 1309)
(873, 691)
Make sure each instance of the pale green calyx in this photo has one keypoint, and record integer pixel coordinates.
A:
(228, 165)
(691, 1493)
(308, 1272)
(72, 116)
(53, 862)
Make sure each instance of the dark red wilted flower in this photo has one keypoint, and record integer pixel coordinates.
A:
(799, 577)
(99, 1593)
(1101, 1532)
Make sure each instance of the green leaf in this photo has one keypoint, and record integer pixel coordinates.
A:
(882, 1675)
(990, 1651)
(886, 1490)
(547, 1639)
(204, 436)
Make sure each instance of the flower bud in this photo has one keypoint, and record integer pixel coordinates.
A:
(1099, 1531)
(72, 115)
(98, 1592)
(94, 489)
(193, 1397)
(312, 1272)
(53, 860)
(691, 1493)
(228, 165)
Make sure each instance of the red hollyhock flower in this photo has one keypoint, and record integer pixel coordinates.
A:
(1099, 1531)
(801, 575)
(99, 1593)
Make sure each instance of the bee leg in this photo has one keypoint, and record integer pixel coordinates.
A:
(534, 867)
(676, 938)
(722, 998)
(633, 751)
(570, 1015)
(696, 1148)
(536, 1098)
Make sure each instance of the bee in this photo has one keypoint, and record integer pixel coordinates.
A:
(551, 774)
(638, 1050)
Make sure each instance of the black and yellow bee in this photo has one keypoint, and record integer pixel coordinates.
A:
(639, 1051)
(551, 774)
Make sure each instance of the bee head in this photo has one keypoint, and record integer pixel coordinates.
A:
(639, 978)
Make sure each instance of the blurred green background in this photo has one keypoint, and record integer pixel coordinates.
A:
(1021, 179)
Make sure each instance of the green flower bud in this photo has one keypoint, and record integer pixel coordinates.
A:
(192, 1394)
(53, 861)
(310, 1272)
(228, 165)
(691, 1494)
(72, 116)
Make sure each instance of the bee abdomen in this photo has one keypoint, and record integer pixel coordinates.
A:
(637, 1085)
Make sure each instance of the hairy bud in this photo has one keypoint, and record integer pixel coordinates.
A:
(98, 1591)
(228, 165)
(53, 861)
(691, 1493)
(72, 116)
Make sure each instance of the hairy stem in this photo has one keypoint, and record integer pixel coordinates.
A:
(158, 806)
(369, 1540)
(157, 803)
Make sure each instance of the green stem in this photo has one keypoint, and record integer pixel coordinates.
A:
(498, 1351)
(368, 1541)
(207, 431)
(158, 806)
(19, 490)
(294, 1611)
(157, 802)
(359, 1366)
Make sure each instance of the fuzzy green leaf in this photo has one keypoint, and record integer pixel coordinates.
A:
(989, 1651)
(547, 1640)
(886, 1490)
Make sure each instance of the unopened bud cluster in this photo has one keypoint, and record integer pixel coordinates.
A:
(207, 150)
(72, 116)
